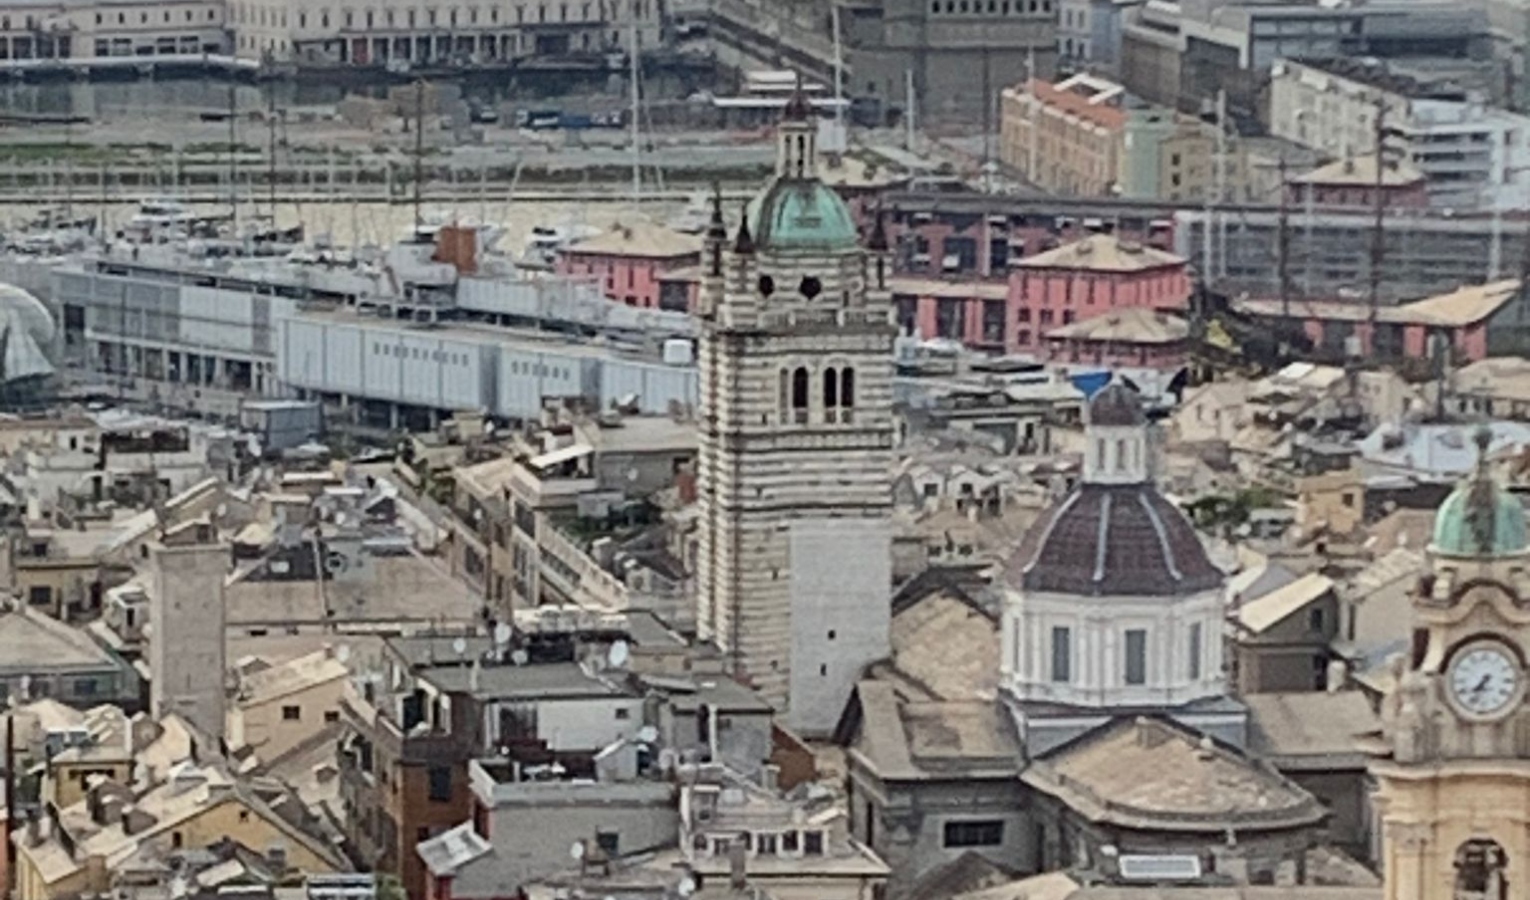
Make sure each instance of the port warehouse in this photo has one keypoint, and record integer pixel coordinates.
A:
(467, 348)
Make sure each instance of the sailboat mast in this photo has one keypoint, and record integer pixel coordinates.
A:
(233, 157)
(419, 152)
(637, 149)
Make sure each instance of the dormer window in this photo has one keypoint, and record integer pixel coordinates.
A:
(765, 843)
(812, 843)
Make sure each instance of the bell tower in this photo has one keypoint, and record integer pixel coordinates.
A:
(795, 448)
(1452, 761)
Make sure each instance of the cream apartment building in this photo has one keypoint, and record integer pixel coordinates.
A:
(391, 32)
(1085, 136)
(96, 29)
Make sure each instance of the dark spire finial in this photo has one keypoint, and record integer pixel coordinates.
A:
(744, 242)
(716, 229)
(797, 107)
(878, 240)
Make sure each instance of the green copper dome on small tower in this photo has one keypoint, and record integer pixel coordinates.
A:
(1480, 518)
(797, 211)
(803, 215)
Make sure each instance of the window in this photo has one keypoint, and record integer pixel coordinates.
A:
(812, 843)
(85, 687)
(983, 833)
(1194, 651)
(1062, 654)
(766, 843)
(1348, 499)
(623, 713)
(331, 716)
(830, 389)
(789, 842)
(1136, 656)
(440, 783)
(800, 393)
(608, 841)
(847, 387)
(1315, 620)
(292, 713)
(40, 595)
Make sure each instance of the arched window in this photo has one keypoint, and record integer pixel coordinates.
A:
(847, 387)
(786, 394)
(800, 395)
(1120, 456)
(830, 392)
(1480, 867)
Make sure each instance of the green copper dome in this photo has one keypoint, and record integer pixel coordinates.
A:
(1480, 518)
(801, 215)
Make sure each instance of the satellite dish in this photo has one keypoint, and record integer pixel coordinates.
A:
(519, 657)
(343, 653)
(502, 633)
(648, 734)
(617, 655)
(576, 852)
(686, 887)
(459, 646)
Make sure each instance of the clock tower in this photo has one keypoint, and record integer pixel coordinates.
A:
(1452, 761)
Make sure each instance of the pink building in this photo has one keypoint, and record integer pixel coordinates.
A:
(1462, 317)
(1078, 281)
(1095, 275)
(630, 260)
(1352, 182)
(1136, 337)
(973, 312)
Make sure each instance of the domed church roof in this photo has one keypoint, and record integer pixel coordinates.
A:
(1114, 534)
(1113, 539)
(1480, 518)
(1116, 405)
(801, 214)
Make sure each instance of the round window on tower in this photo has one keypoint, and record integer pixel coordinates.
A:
(810, 287)
(767, 285)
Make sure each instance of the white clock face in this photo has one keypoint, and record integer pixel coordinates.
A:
(1484, 679)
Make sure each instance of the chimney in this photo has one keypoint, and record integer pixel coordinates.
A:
(737, 865)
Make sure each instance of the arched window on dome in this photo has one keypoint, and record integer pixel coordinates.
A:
(1120, 456)
(1099, 453)
(831, 395)
(800, 395)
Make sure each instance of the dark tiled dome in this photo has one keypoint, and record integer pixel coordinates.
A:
(1113, 539)
(1116, 404)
